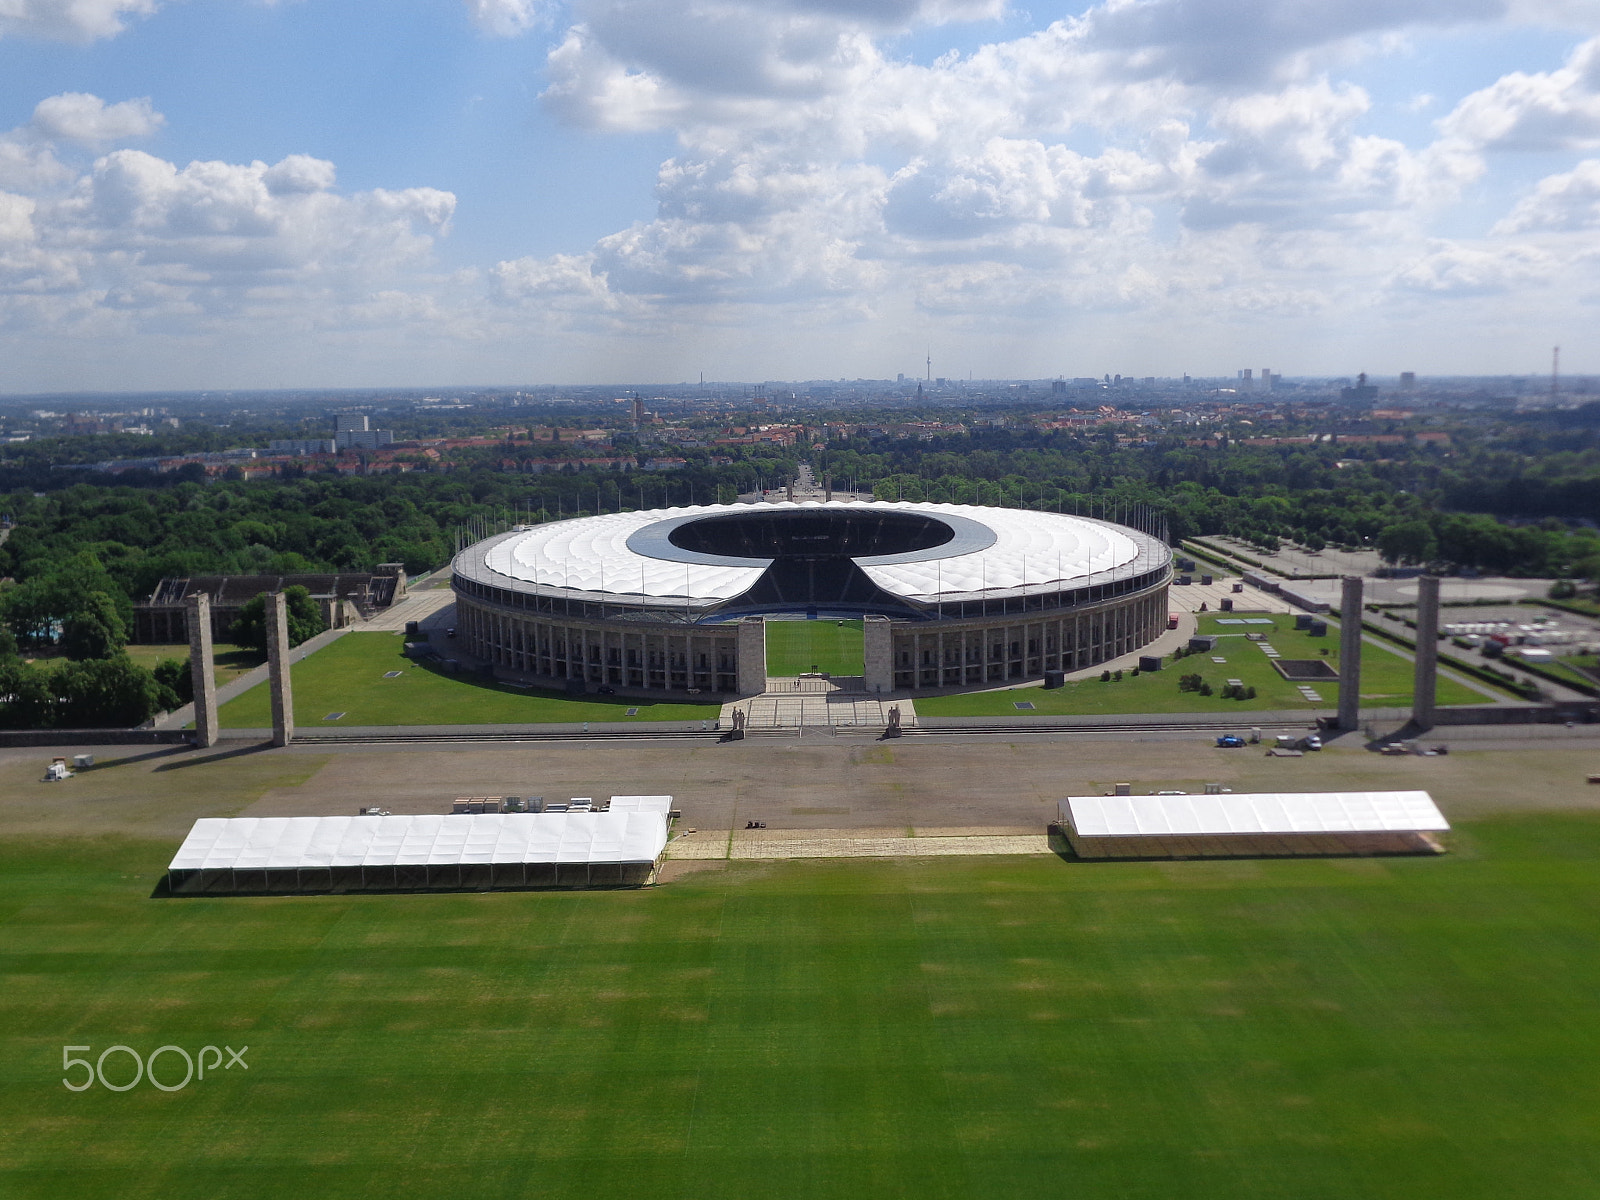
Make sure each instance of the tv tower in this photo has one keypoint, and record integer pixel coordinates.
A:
(930, 364)
(1555, 371)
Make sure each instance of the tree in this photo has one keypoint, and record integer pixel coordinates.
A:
(96, 630)
(1407, 542)
(305, 620)
(105, 693)
(37, 607)
(25, 699)
(174, 675)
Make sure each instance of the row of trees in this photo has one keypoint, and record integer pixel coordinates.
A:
(77, 612)
(1408, 506)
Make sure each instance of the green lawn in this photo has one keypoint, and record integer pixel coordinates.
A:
(961, 1028)
(229, 663)
(1579, 667)
(348, 676)
(796, 647)
(1385, 681)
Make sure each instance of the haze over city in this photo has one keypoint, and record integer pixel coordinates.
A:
(327, 193)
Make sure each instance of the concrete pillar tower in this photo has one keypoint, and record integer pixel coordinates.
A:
(277, 615)
(1350, 653)
(878, 655)
(1426, 679)
(752, 650)
(202, 671)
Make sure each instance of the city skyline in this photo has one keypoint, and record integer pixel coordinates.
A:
(252, 195)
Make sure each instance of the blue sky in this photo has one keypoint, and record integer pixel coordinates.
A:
(232, 193)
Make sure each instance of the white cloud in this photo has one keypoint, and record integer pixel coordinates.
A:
(90, 121)
(508, 18)
(1567, 202)
(1452, 268)
(1247, 43)
(16, 219)
(138, 239)
(1175, 165)
(28, 159)
(69, 20)
(27, 165)
(1549, 110)
(223, 223)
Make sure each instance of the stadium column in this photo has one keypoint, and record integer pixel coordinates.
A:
(752, 651)
(1425, 685)
(877, 639)
(202, 669)
(277, 615)
(1350, 607)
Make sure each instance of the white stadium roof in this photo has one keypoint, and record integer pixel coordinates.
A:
(289, 843)
(1261, 812)
(593, 554)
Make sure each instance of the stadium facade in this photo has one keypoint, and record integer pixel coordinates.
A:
(673, 600)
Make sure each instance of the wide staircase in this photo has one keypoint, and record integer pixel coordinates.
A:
(811, 700)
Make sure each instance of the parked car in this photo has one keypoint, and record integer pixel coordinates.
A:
(1230, 740)
(1311, 743)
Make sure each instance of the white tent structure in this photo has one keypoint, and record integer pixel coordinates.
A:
(1264, 824)
(476, 852)
(655, 804)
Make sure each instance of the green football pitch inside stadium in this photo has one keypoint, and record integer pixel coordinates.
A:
(1006, 1027)
(798, 647)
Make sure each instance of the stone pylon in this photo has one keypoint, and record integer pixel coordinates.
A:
(877, 645)
(202, 672)
(1350, 610)
(751, 647)
(277, 621)
(1425, 681)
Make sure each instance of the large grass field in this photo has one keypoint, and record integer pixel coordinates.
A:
(349, 675)
(796, 647)
(1315, 1030)
(1385, 681)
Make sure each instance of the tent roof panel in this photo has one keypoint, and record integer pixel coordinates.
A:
(1262, 812)
(286, 843)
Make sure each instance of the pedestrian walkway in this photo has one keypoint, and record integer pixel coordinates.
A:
(432, 608)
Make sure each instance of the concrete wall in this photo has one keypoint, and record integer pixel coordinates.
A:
(653, 656)
(984, 651)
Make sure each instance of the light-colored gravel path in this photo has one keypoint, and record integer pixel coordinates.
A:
(750, 844)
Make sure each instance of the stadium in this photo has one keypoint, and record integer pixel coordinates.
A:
(675, 600)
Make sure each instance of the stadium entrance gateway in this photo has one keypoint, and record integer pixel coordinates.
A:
(814, 652)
